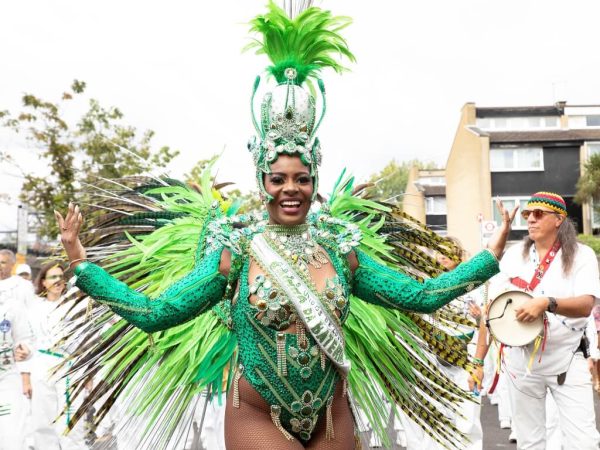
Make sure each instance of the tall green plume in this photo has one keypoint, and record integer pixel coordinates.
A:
(307, 43)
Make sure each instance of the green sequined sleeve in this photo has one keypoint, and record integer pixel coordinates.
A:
(201, 289)
(383, 286)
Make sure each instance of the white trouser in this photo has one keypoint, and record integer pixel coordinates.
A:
(553, 434)
(213, 431)
(489, 367)
(574, 400)
(48, 400)
(502, 393)
(13, 402)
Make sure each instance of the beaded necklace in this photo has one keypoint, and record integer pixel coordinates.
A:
(296, 244)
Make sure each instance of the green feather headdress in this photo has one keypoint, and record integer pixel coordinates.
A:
(299, 48)
(307, 43)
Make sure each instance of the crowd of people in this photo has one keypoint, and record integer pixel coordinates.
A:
(36, 412)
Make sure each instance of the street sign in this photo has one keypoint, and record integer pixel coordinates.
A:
(488, 227)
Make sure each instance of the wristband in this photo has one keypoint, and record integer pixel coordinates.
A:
(478, 361)
(552, 305)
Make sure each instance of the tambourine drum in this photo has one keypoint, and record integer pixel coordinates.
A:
(503, 324)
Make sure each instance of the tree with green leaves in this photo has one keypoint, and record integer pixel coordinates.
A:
(390, 183)
(588, 185)
(248, 202)
(98, 145)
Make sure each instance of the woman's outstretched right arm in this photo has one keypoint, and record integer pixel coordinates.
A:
(188, 297)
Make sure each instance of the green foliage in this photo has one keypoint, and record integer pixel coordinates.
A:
(246, 202)
(76, 154)
(588, 185)
(390, 184)
(306, 43)
(591, 241)
(195, 173)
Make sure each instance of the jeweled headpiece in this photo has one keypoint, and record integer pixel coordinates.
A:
(299, 44)
(550, 200)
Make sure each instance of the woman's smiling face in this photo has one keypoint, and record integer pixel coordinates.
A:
(291, 187)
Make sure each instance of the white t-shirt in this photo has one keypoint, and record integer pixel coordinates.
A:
(15, 328)
(49, 326)
(564, 334)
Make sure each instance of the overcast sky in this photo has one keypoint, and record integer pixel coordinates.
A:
(176, 68)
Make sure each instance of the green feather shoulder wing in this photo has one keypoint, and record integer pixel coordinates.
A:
(393, 352)
(145, 234)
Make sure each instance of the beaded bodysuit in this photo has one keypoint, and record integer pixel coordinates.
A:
(288, 369)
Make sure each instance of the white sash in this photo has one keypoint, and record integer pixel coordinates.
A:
(308, 306)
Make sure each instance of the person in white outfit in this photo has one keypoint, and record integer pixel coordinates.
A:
(50, 393)
(468, 421)
(562, 276)
(213, 430)
(15, 348)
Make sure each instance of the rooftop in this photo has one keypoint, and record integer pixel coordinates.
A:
(543, 136)
(521, 111)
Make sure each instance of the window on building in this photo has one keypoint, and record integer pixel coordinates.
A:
(592, 121)
(595, 207)
(551, 122)
(509, 203)
(500, 123)
(432, 181)
(593, 148)
(516, 159)
(518, 123)
(435, 205)
(483, 123)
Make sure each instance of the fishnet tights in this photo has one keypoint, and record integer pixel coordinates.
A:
(250, 427)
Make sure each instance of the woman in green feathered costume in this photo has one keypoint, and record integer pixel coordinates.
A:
(282, 282)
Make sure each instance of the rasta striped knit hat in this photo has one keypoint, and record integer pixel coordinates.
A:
(550, 200)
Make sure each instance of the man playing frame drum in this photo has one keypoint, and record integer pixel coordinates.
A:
(561, 276)
(502, 323)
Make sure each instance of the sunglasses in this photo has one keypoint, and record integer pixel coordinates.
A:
(537, 213)
(55, 277)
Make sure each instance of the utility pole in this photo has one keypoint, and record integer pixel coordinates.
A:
(22, 231)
